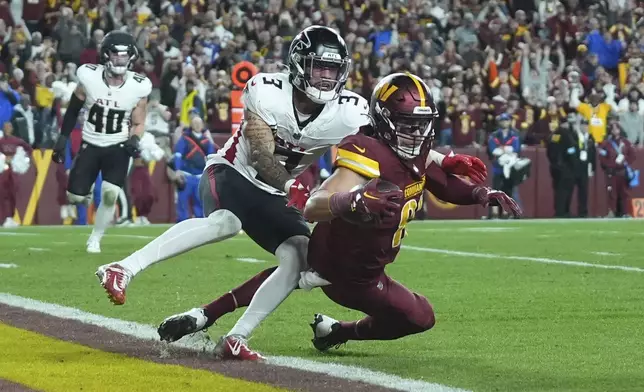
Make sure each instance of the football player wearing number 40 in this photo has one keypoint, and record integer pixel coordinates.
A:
(116, 102)
(398, 152)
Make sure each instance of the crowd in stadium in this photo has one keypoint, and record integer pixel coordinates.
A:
(524, 64)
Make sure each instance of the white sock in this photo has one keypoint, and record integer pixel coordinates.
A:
(182, 237)
(102, 220)
(292, 258)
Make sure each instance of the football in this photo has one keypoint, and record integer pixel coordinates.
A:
(386, 186)
(369, 220)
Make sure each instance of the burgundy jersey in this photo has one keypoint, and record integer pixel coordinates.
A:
(343, 252)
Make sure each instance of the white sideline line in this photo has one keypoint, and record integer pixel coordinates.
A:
(148, 332)
(250, 260)
(523, 258)
(10, 265)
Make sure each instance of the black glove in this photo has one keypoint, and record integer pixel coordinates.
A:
(132, 146)
(59, 149)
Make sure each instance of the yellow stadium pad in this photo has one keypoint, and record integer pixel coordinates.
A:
(52, 365)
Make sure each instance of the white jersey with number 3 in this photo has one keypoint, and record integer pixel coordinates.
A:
(109, 108)
(298, 143)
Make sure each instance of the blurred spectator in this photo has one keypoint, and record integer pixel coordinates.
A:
(141, 187)
(632, 122)
(571, 153)
(190, 154)
(595, 111)
(14, 153)
(616, 156)
(23, 120)
(503, 148)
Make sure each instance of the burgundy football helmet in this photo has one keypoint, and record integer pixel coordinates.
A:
(403, 112)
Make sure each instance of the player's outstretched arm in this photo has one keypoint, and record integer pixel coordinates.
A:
(74, 107)
(138, 118)
(464, 165)
(333, 197)
(262, 147)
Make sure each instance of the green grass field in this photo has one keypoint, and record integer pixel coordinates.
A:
(521, 322)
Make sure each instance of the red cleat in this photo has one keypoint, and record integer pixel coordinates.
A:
(235, 347)
(114, 280)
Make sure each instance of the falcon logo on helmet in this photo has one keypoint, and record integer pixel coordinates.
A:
(118, 52)
(319, 61)
(403, 112)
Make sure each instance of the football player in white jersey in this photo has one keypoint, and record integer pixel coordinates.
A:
(116, 100)
(290, 120)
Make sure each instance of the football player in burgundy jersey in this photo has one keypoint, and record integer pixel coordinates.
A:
(363, 209)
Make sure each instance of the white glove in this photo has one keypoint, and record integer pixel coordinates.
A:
(20, 162)
(620, 159)
(508, 149)
(590, 171)
(497, 151)
(310, 280)
(3, 162)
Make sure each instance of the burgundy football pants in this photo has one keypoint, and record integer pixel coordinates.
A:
(393, 310)
(7, 195)
(141, 190)
(619, 197)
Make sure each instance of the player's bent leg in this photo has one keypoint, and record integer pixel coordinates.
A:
(104, 215)
(177, 326)
(292, 260)
(180, 238)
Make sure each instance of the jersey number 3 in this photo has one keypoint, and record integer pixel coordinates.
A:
(408, 213)
(113, 123)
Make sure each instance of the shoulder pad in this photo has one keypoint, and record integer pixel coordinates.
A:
(354, 110)
(141, 84)
(86, 72)
(261, 91)
(359, 154)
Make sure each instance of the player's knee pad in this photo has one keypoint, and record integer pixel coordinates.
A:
(292, 256)
(109, 193)
(76, 199)
(224, 224)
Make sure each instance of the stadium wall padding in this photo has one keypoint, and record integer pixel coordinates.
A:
(38, 190)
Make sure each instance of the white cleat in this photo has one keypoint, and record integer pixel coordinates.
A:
(114, 280)
(94, 245)
(179, 325)
(9, 223)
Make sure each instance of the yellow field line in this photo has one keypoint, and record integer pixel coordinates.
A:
(52, 365)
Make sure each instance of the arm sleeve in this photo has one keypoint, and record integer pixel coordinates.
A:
(449, 188)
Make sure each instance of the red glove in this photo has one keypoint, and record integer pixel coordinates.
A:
(298, 194)
(488, 196)
(377, 201)
(465, 165)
